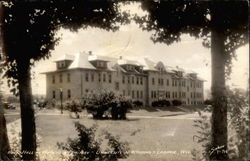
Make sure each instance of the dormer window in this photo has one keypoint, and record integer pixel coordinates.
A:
(63, 64)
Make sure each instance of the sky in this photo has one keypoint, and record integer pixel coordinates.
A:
(133, 43)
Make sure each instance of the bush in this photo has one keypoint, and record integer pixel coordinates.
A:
(138, 103)
(107, 102)
(86, 148)
(74, 106)
(176, 102)
(161, 103)
(165, 103)
(208, 102)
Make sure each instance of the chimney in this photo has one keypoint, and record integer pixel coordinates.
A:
(120, 57)
(90, 52)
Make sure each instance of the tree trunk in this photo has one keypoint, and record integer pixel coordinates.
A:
(4, 141)
(27, 112)
(218, 149)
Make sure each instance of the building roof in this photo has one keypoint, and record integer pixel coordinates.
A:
(148, 65)
(65, 57)
(81, 61)
(130, 62)
(99, 57)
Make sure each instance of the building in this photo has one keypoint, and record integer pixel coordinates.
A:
(145, 81)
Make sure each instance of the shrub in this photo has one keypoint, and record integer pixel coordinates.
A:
(138, 103)
(161, 103)
(74, 106)
(154, 103)
(86, 148)
(102, 101)
(176, 102)
(165, 103)
(208, 102)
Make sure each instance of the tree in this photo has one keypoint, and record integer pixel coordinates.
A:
(28, 30)
(223, 27)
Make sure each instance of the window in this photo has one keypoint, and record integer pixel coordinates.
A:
(128, 79)
(159, 81)
(92, 77)
(60, 78)
(153, 81)
(99, 77)
(132, 79)
(104, 77)
(110, 78)
(123, 92)
(116, 85)
(172, 94)
(137, 80)
(180, 83)
(141, 94)
(123, 79)
(141, 80)
(133, 94)
(175, 95)
(86, 91)
(68, 77)
(167, 94)
(167, 82)
(152, 94)
(53, 94)
(69, 93)
(87, 77)
(53, 79)
(191, 95)
(179, 94)
(138, 94)
(172, 82)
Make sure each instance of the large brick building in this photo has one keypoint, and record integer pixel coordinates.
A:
(146, 81)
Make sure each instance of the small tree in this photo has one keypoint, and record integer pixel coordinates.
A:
(74, 106)
(101, 101)
(86, 148)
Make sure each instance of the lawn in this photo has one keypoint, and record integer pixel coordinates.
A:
(164, 136)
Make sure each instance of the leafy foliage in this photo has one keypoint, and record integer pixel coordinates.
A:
(74, 106)
(104, 102)
(38, 22)
(86, 148)
(137, 103)
(169, 20)
(208, 102)
(238, 124)
(161, 103)
(176, 102)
